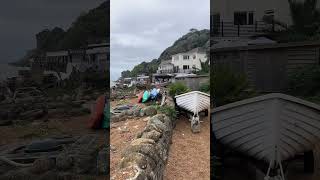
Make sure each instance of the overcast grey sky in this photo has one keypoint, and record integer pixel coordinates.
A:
(21, 20)
(142, 29)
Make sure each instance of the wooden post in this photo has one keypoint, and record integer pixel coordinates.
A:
(222, 28)
(256, 26)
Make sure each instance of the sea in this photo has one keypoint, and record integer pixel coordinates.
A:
(7, 70)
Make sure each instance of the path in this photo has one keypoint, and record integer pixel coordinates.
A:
(189, 156)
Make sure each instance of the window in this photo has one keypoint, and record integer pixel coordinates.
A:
(194, 56)
(185, 67)
(240, 18)
(244, 18)
(185, 57)
(250, 18)
(269, 15)
(215, 23)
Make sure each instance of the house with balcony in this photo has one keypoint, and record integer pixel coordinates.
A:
(234, 18)
(188, 62)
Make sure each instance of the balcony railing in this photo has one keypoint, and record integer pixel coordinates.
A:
(230, 29)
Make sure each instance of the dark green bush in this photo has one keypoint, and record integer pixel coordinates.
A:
(305, 81)
(178, 88)
(227, 86)
(205, 87)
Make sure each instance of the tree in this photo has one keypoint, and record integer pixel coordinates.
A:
(305, 16)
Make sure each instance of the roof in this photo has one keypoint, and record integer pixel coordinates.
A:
(166, 62)
(267, 46)
(195, 50)
(265, 97)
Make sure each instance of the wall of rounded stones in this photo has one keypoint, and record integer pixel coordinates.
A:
(135, 111)
(146, 156)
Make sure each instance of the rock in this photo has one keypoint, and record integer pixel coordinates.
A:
(154, 135)
(18, 175)
(123, 129)
(32, 114)
(142, 141)
(150, 111)
(67, 176)
(141, 113)
(129, 112)
(115, 118)
(42, 165)
(136, 111)
(103, 162)
(5, 122)
(50, 175)
(64, 162)
(66, 97)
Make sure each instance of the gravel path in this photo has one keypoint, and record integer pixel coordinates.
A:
(189, 156)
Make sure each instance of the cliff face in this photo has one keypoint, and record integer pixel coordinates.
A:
(191, 40)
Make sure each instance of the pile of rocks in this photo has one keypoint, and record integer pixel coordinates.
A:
(26, 104)
(135, 111)
(81, 158)
(146, 156)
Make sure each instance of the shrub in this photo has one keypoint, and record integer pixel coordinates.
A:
(205, 87)
(177, 89)
(167, 110)
(305, 82)
(227, 87)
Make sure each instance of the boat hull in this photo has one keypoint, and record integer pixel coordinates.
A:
(273, 127)
(194, 101)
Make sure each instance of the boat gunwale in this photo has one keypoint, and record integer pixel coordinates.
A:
(192, 92)
(266, 97)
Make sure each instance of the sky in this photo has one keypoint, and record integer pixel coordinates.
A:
(142, 29)
(21, 20)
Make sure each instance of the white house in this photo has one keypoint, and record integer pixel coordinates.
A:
(189, 61)
(165, 67)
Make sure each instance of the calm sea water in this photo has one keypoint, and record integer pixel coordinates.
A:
(7, 70)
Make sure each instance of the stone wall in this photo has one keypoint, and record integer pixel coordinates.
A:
(135, 111)
(146, 156)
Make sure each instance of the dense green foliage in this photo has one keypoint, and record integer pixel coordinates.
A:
(305, 22)
(227, 86)
(147, 68)
(91, 27)
(191, 40)
(177, 89)
(205, 87)
(305, 82)
(205, 68)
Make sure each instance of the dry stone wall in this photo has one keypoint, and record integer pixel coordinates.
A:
(146, 156)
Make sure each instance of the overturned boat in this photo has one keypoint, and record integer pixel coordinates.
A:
(194, 102)
(272, 128)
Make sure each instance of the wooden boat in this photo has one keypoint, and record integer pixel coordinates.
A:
(273, 127)
(194, 102)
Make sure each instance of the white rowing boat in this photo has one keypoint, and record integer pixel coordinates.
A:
(194, 102)
(273, 127)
